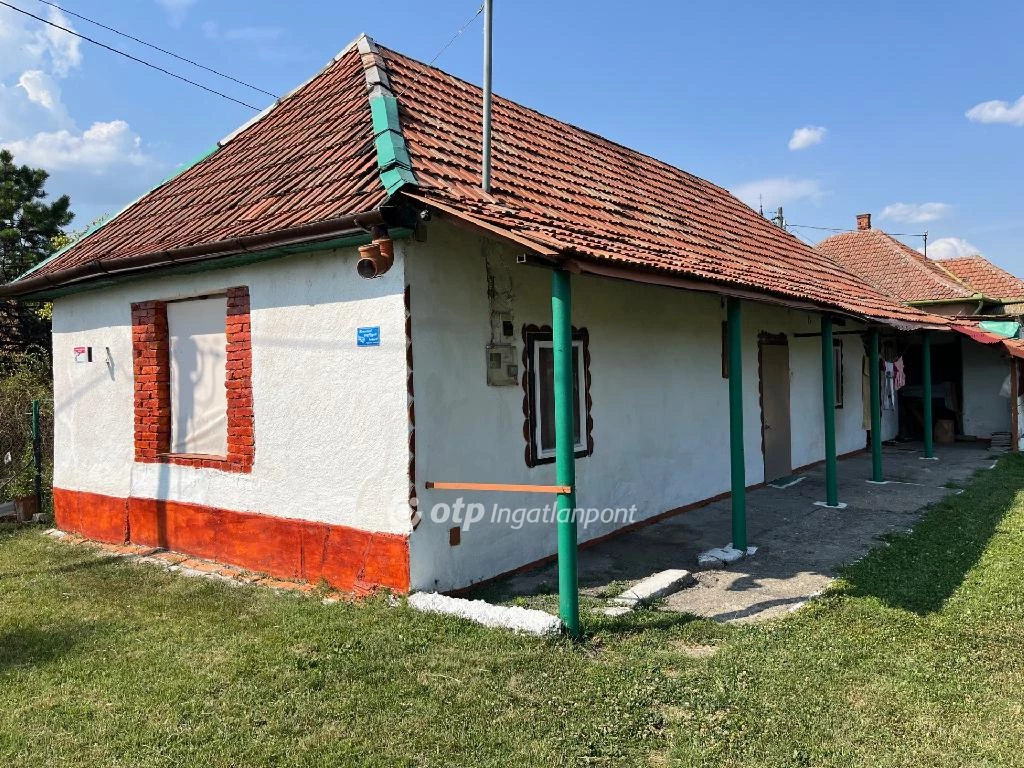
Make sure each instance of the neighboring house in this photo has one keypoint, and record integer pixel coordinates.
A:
(1004, 291)
(968, 370)
(230, 384)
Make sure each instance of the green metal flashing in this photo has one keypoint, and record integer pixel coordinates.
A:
(393, 159)
(226, 262)
(97, 226)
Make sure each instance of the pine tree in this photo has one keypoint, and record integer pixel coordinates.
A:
(29, 229)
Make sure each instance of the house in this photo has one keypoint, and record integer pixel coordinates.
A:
(1005, 291)
(969, 368)
(306, 352)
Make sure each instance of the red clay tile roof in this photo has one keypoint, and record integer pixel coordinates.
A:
(893, 267)
(556, 187)
(985, 277)
(308, 159)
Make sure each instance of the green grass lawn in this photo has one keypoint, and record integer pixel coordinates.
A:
(916, 658)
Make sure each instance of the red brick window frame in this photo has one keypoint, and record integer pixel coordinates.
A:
(152, 367)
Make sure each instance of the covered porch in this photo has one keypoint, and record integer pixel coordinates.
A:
(800, 544)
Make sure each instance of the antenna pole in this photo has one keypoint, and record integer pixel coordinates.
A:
(485, 175)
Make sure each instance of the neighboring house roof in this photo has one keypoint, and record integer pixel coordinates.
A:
(985, 277)
(375, 126)
(893, 267)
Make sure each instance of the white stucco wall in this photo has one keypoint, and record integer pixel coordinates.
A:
(660, 404)
(984, 371)
(331, 420)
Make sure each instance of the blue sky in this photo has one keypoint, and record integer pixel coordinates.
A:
(882, 91)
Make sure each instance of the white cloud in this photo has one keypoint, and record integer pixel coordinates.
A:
(41, 89)
(25, 44)
(998, 112)
(950, 248)
(916, 213)
(99, 148)
(777, 191)
(176, 10)
(212, 30)
(807, 136)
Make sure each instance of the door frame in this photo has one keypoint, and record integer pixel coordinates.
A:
(764, 338)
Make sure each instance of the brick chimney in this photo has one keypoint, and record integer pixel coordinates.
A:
(863, 221)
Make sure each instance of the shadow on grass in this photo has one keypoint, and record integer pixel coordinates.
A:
(920, 570)
(73, 567)
(33, 647)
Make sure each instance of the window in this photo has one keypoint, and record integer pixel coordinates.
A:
(837, 362)
(539, 382)
(198, 353)
(193, 382)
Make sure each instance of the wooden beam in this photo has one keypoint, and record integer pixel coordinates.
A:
(502, 487)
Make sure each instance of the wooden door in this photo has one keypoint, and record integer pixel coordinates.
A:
(776, 440)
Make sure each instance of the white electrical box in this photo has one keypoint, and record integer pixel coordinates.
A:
(502, 368)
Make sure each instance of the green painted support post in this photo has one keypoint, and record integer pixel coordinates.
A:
(876, 408)
(565, 449)
(37, 456)
(828, 395)
(736, 458)
(926, 380)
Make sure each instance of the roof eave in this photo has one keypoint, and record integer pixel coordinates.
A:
(261, 246)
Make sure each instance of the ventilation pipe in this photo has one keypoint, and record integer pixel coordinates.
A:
(377, 257)
(485, 175)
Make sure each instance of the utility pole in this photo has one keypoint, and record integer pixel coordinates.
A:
(485, 175)
(779, 218)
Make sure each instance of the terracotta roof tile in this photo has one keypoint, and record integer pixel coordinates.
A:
(556, 186)
(893, 267)
(309, 159)
(570, 189)
(985, 277)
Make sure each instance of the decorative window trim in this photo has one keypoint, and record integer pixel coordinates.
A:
(152, 382)
(532, 335)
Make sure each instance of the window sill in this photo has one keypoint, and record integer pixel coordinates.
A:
(240, 464)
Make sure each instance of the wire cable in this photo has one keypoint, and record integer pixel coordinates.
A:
(128, 56)
(157, 48)
(444, 48)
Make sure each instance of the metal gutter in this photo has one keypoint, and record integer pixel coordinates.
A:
(255, 247)
(961, 300)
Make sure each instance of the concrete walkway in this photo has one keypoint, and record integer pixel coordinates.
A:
(799, 544)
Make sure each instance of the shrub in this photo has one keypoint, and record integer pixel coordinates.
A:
(24, 377)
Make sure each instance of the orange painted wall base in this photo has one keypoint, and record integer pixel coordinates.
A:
(346, 558)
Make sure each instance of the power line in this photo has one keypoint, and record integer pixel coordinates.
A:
(129, 56)
(445, 47)
(845, 229)
(157, 48)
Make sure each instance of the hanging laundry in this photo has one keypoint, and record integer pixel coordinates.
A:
(889, 387)
(899, 375)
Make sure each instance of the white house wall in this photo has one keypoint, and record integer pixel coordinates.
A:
(984, 371)
(331, 425)
(660, 404)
